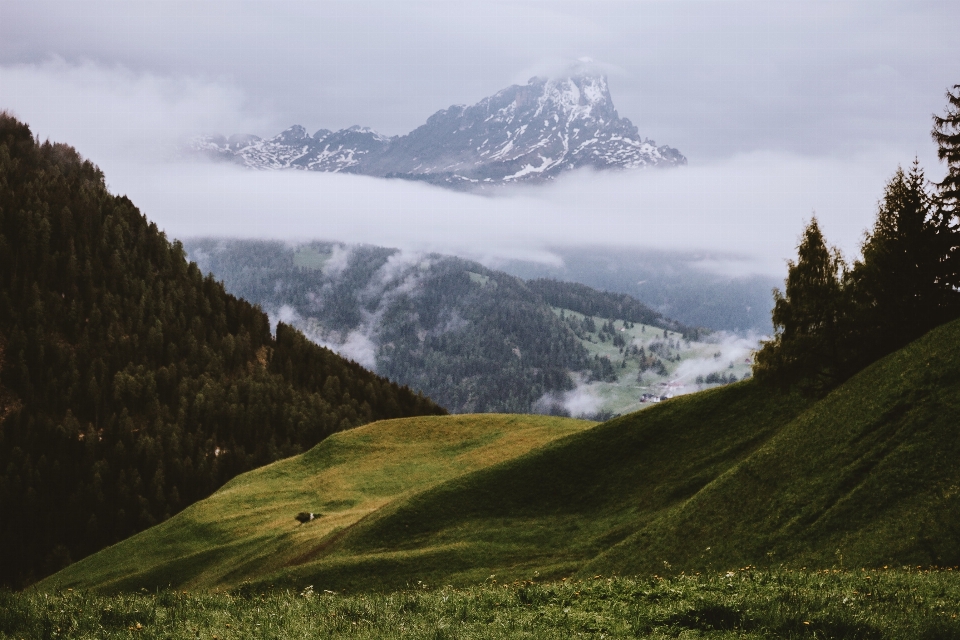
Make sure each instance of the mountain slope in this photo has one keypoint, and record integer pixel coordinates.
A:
(475, 339)
(677, 284)
(247, 529)
(521, 134)
(869, 473)
(130, 384)
(711, 481)
(721, 479)
(588, 301)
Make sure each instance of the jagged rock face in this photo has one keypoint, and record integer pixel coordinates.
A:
(295, 149)
(522, 134)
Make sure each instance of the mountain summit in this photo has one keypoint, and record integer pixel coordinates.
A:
(528, 133)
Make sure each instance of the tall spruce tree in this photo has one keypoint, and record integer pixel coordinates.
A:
(898, 287)
(830, 322)
(946, 133)
(806, 318)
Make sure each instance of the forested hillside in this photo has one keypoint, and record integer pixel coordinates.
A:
(687, 286)
(130, 384)
(588, 301)
(474, 339)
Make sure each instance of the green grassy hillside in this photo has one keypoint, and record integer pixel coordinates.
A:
(721, 479)
(869, 476)
(247, 529)
(735, 476)
(555, 510)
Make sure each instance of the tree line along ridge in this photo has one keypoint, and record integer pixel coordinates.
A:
(832, 319)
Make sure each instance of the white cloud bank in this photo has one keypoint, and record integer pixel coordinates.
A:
(750, 205)
(732, 349)
(358, 345)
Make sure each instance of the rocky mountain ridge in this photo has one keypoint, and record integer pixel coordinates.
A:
(528, 133)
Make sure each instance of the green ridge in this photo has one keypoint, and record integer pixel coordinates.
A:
(246, 530)
(554, 510)
(721, 479)
(866, 477)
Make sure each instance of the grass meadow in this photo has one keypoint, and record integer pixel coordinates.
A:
(246, 530)
(416, 515)
(742, 603)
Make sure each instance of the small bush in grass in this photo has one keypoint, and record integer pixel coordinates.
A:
(305, 516)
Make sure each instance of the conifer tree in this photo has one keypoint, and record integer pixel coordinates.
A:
(806, 318)
(946, 132)
(899, 285)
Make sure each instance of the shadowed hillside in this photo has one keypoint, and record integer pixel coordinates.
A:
(725, 478)
(736, 476)
(130, 385)
(247, 529)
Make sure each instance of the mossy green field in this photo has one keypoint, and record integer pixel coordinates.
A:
(557, 510)
(744, 603)
(247, 531)
(729, 477)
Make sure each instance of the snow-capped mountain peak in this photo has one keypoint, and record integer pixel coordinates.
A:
(523, 133)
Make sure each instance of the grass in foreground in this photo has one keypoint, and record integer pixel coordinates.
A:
(745, 603)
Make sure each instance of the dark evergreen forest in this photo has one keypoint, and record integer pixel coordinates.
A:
(131, 385)
(620, 306)
(500, 348)
(473, 339)
(833, 319)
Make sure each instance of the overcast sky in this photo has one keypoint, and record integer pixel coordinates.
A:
(782, 108)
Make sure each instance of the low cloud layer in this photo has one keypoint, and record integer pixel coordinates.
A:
(748, 208)
(400, 275)
(579, 402)
(358, 345)
(727, 349)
